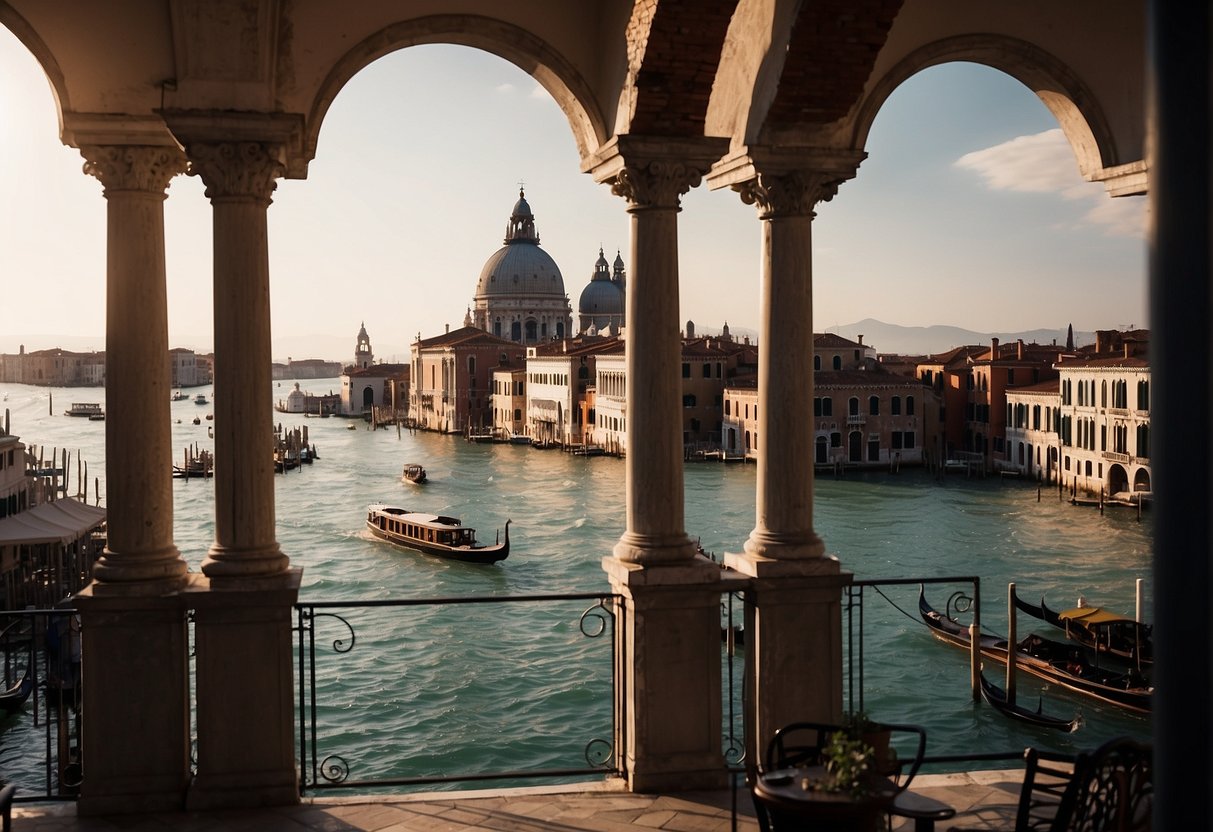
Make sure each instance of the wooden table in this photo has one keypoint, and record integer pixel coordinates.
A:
(784, 795)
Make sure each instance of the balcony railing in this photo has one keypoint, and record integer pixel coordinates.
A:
(366, 663)
(856, 420)
(1112, 456)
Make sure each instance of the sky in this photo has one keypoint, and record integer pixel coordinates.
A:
(969, 211)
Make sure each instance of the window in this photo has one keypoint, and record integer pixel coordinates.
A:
(827, 406)
(817, 362)
(835, 440)
(727, 405)
(816, 406)
(908, 439)
(895, 406)
(1143, 395)
(688, 400)
(707, 370)
(909, 405)
(853, 406)
(896, 438)
(874, 405)
(838, 362)
(686, 370)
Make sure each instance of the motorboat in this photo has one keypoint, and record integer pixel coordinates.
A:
(413, 473)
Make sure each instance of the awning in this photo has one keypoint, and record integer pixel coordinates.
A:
(62, 521)
(545, 407)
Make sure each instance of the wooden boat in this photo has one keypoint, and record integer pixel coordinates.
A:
(997, 697)
(1098, 629)
(1062, 664)
(433, 534)
(12, 699)
(87, 409)
(413, 473)
(200, 399)
(179, 396)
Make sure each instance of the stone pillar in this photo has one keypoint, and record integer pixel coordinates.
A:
(669, 630)
(239, 178)
(797, 588)
(135, 749)
(243, 601)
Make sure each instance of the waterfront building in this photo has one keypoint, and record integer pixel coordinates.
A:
(509, 401)
(307, 368)
(1032, 439)
(54, 367)
(299, 401)
(602, 306)
(773, 100)
(14, 481)
(185, 369)
(834, 352)
(1104, 416)
(558, 377)
(611, 402)
(520, 295)
(739, 424)
(450, 388)
(708, 364)
(379, 386)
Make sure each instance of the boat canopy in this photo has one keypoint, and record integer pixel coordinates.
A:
(62, 521)
(1094, 616)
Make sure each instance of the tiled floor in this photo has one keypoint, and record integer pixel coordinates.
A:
(984, 801)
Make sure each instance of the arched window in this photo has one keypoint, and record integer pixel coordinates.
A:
(874, 405)
(909, 405)
(516, 331)
(853, 406)
(895, 406)
(838, 362)
(817, 362)
(472, 367)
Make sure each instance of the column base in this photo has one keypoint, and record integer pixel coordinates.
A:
(654, 549)
(778, 546)
(142, 573)
(246, 744)
(669, 668)
(135, 747)
(262, 562)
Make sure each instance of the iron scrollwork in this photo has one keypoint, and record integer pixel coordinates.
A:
(334, 768)
(594, 621)
(599, 753)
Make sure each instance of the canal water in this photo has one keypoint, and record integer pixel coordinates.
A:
(455, 688)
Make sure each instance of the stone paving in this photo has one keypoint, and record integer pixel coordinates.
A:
(984, 801)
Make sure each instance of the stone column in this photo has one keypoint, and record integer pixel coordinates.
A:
(793, 621)
(239, 178)
(135, 749)
(669, 630)
(243, 602)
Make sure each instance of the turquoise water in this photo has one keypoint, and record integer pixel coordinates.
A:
(431, 690)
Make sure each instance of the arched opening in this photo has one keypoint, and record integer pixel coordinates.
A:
(1141, 480)
(822, 450)
(855, 446)
(1118, 479)
(368, 397)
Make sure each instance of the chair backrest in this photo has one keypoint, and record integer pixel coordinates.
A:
(1113, 790)
(902, 770)
(798, 744)
(1110, 789)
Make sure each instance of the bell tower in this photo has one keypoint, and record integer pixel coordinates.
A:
(363, 357)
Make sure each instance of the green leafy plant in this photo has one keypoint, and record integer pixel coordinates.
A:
(846, 760)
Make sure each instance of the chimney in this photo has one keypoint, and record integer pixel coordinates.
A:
(861, 340)
(1019, 350)
(1128, 349)
(448, 329)
(1100, 344)
(993, 349)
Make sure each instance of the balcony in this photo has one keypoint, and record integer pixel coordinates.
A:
(1112, 456)
(856, 420)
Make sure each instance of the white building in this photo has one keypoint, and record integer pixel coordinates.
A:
(509, 401)
(1032, 440)
(611, 403)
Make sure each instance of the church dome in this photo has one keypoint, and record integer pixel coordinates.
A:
(520, 268)
(600, 297)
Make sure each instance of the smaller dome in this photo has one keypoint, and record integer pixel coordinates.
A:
(521, 207)
(601, 297)
(600, 264)
(618, 260)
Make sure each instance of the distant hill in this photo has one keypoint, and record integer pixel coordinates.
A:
(926, 340)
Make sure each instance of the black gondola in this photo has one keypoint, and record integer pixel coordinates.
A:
(997, 697)
(1062, 664)
(1098, 629)
(12, 699)
(433, 534)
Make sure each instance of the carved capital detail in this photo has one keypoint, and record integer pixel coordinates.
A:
(145, 168)
(237, 169)
(792, 194)
(657, 184)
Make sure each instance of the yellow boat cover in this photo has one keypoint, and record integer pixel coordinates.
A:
(1093, 616)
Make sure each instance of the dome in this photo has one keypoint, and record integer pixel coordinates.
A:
(601, 297)
(522, 208)
(522, 269)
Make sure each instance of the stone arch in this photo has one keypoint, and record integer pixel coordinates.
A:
(1060, 89)
(1118, 479)
(15, 23)
(518, 46)
(1141, 479)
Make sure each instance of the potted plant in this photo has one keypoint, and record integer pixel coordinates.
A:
(845, 800)
(858, 725)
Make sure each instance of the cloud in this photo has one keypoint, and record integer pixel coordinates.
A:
(505, 89)
(1044, 164)
(539, 92)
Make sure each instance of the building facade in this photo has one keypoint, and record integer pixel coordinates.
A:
(450, 388)
(1032, 447)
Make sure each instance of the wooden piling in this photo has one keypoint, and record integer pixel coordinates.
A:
(975, 659)
(1012, 640)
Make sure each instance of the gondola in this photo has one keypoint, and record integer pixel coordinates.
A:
(997, 697)
(12, 699)
(433, 534)
(1062, 664)
(1098, 629)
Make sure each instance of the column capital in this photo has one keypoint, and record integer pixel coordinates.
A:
(785, 181)
(237, 169)
(145, 168)
(653, 172)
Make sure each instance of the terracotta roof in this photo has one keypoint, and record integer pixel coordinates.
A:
(1051, 387)
(710, 347)
(827, 340)
(380, 371)
(877, 377)
(1135, 362)
(464, 336)
(582, 345)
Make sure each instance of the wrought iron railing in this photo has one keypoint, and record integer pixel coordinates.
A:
(41, 748)
(331, 698)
